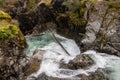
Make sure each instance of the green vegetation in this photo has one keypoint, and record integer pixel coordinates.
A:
(5, 33)
(76, 11)
(32, 4)
(10, 31)
(4, 15)
(2, 4)
(7, 30)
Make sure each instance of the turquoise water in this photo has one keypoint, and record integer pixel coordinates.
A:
(36, 42)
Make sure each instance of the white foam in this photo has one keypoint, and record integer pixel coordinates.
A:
(52, 58)
(99, 60)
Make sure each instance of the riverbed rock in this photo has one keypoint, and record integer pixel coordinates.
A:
(79, 62)
(38, 54)
(12, 49)
(32, 67)
(97, 75)
(35, 63)
(103, 29)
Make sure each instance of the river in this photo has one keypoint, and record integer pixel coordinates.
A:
(54, 54)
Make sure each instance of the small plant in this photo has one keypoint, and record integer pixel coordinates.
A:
(5, 33)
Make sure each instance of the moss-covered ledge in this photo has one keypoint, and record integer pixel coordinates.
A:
(10, 31)
(12, 49)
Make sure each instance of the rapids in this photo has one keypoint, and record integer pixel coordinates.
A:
(54, 54)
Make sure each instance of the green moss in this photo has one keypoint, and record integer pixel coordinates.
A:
(4, 15)
(14, 29)
(12, 32)
(113, 4)
(7, 32)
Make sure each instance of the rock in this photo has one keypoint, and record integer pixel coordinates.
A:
(97, 75)
(45, 77)
(94, 23)
(102, 30)
(33, 67)
(35, 63)
(37, 20)
(113, 41)
(38, 54)
(46, 2)
(81, 61)
(39, 28)
(12, 49)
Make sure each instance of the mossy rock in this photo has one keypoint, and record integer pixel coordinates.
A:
(9, 31)
(4, 15)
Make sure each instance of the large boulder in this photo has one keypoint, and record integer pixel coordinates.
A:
(103, 29)
(12, 49)
(79, 62)
(35, 62)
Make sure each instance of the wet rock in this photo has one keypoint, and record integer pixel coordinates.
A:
(80, 61)
(35, 63)
(97, 75)
(32, 67)
(45, 77)
(38, 54)
(53, 78)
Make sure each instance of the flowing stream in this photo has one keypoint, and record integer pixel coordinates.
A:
(54, 54)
